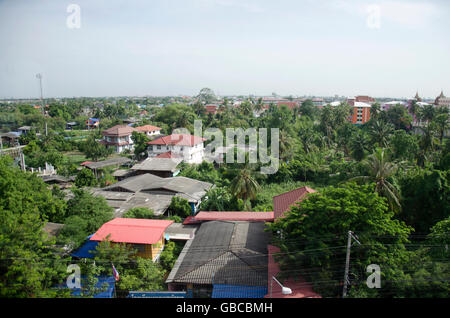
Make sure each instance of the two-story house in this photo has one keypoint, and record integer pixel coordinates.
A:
(188, 147)
(149, 130)
(118, 137)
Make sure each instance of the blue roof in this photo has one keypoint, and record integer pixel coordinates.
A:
(233, 291)
(94, 119)
(83, 251)
(101, 281)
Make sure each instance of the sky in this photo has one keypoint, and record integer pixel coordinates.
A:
(380, 48)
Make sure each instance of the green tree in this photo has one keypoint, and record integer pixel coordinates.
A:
(380, 171)
(442, 125)
(313, 236)
(140, 141)
(139, 213)
(380, 132)
(403, 145)
(170, 254)
(29, 264)
(85, 178)
(359, 144)
(220, 199)
(307, 108)
(244, 186)
(95, 150)
(426, 198)
(206, 95)
(145, 276)
(85, 215)
(179, 206)
(398, 116)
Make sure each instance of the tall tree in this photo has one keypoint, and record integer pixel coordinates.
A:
(244, 186)
(140, 145)
(29, 264)
(380, 132)
(380, 170)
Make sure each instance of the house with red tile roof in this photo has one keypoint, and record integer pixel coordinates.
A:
(212, 109)
(283, 202)
(118, 137)
(149, 130)
(169, 155)
(189, 147)
(145, 235)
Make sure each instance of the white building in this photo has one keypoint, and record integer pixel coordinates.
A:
(188, 147)
(149, 130)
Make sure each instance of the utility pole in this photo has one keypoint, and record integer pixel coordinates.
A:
(347, 261)
(39, 76)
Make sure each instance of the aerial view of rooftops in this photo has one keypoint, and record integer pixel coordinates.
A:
(247, 153)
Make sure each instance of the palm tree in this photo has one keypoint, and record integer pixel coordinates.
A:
(380, 169)
(380, 132)
(375, 109)
(358, 145)
(427, 113)
(426, 143)
(244, 186)
(442, 125)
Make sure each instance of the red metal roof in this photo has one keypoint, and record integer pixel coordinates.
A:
(299, 286)
(190, 220)
(136, 231)
(282, 202)
(85, 163)
(178, 139)
(234, 216)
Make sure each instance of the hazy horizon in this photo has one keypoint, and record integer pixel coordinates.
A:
(177, 47)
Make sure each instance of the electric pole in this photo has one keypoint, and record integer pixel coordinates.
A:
(39, 76)
(347, 261)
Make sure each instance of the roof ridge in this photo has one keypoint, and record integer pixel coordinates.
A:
(203, 264)
(291, 191)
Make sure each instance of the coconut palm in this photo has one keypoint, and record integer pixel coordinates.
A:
(244, 186)
(380, 132)
(359, 144)
(441, 122)
(380, 169)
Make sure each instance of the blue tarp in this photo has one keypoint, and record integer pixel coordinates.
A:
(233, 291)
(101, 284)
(83, 251)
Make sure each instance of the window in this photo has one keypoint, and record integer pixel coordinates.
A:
(139, 247)
(158, 147)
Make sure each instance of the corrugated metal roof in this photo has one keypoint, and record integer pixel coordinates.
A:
(234, 216)
(224, 252)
